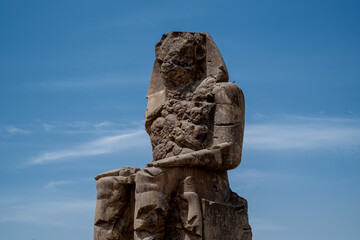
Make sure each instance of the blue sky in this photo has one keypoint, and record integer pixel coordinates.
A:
(73, 80)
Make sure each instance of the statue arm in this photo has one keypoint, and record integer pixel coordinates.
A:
(210, 158)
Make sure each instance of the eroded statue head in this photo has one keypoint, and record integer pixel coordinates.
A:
(181, 57)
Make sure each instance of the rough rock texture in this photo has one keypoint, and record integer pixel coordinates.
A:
(114, 212)
(195, 120)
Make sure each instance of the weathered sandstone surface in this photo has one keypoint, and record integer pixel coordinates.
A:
(195, 120)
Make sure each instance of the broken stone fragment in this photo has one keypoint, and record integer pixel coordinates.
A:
(124, 172)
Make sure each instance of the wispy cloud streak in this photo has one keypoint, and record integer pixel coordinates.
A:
(291, 132)
(103, 145)
(88, 127)
(14, 130)
(54, 184)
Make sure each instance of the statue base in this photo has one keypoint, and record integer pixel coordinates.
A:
(168, 203)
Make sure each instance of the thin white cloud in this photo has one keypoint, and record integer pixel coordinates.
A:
(296, 132)
(48, 127)
(57, 183)
(78, 124)
(14, 130)
(54, 184)
(104, 124)
(62, 213)
(103, 145)
(89, 127)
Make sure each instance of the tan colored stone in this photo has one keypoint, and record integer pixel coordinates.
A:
(126, 171)
(225, 221)
(114, 212)
(195, 120)
(227, 114)
(228, 93)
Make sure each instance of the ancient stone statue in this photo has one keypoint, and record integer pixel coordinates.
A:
(195, 120)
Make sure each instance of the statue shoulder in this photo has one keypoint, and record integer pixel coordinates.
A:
(228, 93)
